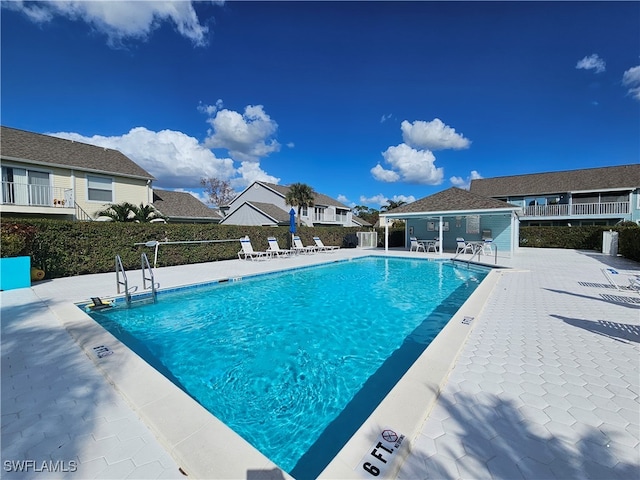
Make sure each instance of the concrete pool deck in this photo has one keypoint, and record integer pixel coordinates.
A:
(546, 385)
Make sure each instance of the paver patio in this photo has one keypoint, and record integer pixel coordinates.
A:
(547, 385)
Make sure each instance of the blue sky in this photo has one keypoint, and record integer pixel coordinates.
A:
(364, 101)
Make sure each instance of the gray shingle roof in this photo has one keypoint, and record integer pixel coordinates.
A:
(320, 198)
(624, 176)
(182, 205)
(452, 200)
(39, 148)
(360, 221)
(273, 211)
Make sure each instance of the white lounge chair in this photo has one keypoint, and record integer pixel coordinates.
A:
(463, 247)
(416, 246)
(248, 252)
(322, 247)
(623, 279)
(275, 249)
(300, 248)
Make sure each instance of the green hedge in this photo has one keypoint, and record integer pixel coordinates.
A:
(582, 238)
(66, 248)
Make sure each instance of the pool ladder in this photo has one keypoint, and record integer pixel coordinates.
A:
(148, 281)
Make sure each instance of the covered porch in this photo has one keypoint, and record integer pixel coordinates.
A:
(455, 213)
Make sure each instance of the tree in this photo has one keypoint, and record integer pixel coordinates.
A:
(219, 191)
(391, 204)
(366, 213)
(128, 212)
(300, 195)
(119, 212)
(147, 213)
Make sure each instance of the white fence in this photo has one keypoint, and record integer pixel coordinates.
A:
(367, 239)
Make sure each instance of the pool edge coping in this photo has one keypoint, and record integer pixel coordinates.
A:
(407, 406)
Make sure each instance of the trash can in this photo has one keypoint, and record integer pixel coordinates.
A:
(610, 243)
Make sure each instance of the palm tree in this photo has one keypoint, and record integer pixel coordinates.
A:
(300, 195)
(391, 204)
(147, 213)
(128, 212)
(119, 212)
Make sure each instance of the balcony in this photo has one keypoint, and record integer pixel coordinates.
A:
(27, 195)
(577, 209)
(329, 217)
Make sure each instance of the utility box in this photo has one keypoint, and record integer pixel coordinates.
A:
(610, 243)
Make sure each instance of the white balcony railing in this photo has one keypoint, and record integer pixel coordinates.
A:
(329, 217)
(577, 209)
(36, 195)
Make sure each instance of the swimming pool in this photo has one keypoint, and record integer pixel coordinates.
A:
(290, 359)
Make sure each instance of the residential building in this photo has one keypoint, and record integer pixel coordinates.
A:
(50, 177)
(263, 203)
(593, 196)
(182, 207)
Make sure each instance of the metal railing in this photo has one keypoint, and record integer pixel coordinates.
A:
(329, 217)
(577, 209)
(82, 215)
(147, 268)
(24, 194)
(124, 283)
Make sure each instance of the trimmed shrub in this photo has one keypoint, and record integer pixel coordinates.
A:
(67, 248)
(583, 238)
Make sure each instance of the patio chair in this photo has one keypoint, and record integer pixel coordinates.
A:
(433, 246)
(300, 248)
(275, 249)
(487, 247)
(322, 247)
(416, 246)
(248, 252)
(462, 246)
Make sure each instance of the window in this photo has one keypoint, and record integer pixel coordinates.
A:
(99, 189)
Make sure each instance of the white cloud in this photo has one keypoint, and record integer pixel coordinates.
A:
(173, 158)
(379, 173)
(120, 20)
(404, 198)
(210, 109)
(433, 135)
(409, 165)
(247, 136)
(342, 199)
(384, 118)
(379, 199)
(382, 200)
(631, 79)
(251, 172)
(465, 183)
(592, 62)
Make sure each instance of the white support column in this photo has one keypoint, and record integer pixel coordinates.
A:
(440, 234)
(386, 235)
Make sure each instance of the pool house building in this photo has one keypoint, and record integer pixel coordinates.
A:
(454, 213)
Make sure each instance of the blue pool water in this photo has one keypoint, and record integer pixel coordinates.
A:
(294, 362)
